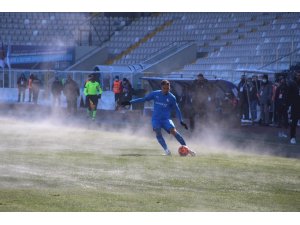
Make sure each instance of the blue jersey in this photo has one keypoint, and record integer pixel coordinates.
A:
(164, 104)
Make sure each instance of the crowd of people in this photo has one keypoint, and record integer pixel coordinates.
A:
(68, 87)
(278, 103)
(33, 84)
(92, 90)
(259, 100)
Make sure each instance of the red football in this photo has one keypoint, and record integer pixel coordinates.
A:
(183, 150)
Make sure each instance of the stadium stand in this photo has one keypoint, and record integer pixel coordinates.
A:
(225, 42)
(231, 41)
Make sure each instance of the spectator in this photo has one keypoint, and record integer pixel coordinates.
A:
(281, 106)
(56, 89)
(92, 91)
(254, 91)
(36, 85)
(30, 93)
(243, 94)
(71, 91)
(294, 100)
(22, 83)
(265, 98)
(117, 89)
(256, 83)
(126, 90)
(185, 102)
(273, 110)
(201, 98)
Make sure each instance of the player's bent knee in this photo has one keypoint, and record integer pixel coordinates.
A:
(173, 131)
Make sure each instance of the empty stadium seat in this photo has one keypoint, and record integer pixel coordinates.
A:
(253, 39)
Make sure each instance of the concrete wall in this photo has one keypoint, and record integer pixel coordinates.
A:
(87, 57)
(10, 95)
(176, 61)
(81, 51)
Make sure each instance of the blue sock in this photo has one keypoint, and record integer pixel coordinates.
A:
(180, 139)
(160, 139)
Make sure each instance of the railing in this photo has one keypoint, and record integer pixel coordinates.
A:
(8, 78)
(275, 62)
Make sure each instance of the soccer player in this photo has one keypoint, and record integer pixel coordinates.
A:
(164, 103)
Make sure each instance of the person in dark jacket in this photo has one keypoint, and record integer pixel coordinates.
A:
(71, 91)
(185, 102)
(254, 90)
(127, 90)
(56, 89)
(294, 100)
(22, 84)
(201, 96)
(243, 94)
(265, 99)
(281, 106)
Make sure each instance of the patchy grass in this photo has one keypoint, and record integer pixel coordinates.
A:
(50, 168)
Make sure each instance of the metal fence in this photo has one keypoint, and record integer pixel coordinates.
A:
(8, 78)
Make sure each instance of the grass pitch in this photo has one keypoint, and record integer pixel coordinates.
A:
(54, 168)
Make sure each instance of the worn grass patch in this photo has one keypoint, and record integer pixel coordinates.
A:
(50, 168)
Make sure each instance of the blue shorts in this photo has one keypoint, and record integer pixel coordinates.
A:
(167, 124)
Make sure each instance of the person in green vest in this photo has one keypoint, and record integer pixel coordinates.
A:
(93, 91)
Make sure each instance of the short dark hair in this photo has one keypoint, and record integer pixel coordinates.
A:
(164, 82)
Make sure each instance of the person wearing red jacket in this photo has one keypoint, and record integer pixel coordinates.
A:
(30, 93)
(117, 89)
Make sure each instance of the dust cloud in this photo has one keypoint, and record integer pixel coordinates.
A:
(130, 127)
